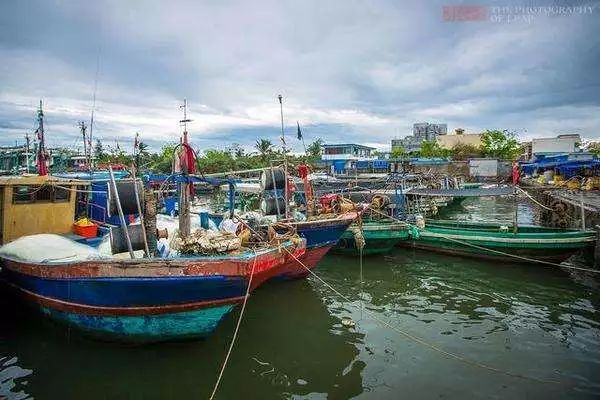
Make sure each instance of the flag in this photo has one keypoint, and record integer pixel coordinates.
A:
(299, 131)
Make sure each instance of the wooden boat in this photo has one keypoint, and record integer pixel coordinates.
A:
(150, 299)
(380, 237)
(321, 235)
(486, 240)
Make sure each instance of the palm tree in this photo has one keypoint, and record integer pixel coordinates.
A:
(264, 147)
(314, 149)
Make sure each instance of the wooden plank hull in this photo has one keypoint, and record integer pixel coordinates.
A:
(490, 242)
(380, 237)
(146, 299)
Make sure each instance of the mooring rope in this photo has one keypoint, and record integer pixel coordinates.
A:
(237, 328)
(569, 266)
(422, 342)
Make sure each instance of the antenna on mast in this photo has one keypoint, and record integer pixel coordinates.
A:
(185, 120)
(91, 152)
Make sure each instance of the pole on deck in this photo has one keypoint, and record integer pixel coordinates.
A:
(184, 210)
(275, 191)
(139, 207)
(285, 195)
(120, 209)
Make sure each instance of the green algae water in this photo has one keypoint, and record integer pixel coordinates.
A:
(539, 328)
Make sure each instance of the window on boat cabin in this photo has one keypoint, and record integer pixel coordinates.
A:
(26, 194)
(61, 195)
(23, 194)
(43, 194)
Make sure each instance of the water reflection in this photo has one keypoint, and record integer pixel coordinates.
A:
(504, 315)
(289, 344)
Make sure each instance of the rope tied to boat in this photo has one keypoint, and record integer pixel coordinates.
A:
(418, 340)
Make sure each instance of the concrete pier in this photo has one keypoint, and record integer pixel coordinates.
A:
(575, 209)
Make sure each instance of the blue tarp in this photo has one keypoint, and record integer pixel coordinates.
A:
(339, 165)
(380, 164)
(362, 165)
(565, 167)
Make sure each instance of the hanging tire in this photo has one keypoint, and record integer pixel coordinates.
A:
(266, 179)
(269, 205)
(559, 207)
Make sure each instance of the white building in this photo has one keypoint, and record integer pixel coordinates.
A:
(558, 145)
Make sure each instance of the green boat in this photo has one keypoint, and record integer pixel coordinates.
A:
(379, 236)
(498, 242)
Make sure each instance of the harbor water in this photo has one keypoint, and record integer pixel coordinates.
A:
(458, 328)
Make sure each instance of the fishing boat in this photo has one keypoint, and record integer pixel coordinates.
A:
(320, 235)
(498, 242)
(146, 300)
(378, 236)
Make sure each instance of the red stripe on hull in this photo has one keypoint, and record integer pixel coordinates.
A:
(293, 269)
(94, 310)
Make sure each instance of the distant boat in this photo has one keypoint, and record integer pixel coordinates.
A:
(490, 240)
(149, 299)
(379, 236)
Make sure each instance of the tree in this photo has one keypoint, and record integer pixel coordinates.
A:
(264, 147)
(313, 151)
(592, 147)
(500, 144)
(431, 149)
(462, 151)
(216, 161)
(398, 152)
(237, 151)
(163, 161)
(99, 150)
(142, 155)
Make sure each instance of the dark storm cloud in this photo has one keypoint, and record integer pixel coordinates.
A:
(349, 71)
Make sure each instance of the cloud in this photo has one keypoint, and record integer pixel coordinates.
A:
(348, 70)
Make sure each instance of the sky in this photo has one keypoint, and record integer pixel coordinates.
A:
(349, 71)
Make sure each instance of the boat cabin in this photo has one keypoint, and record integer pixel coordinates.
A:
(36, 204)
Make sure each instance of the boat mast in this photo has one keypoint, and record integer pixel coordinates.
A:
(41, 156)
(184, 189)
(91, 152)
(285, 161)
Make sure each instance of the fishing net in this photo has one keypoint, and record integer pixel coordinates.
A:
(206, 242)
(47, 248)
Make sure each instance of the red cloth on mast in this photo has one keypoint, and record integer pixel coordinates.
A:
(41, 164)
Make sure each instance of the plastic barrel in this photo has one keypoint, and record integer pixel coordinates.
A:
(266, 179)
(204, 219)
